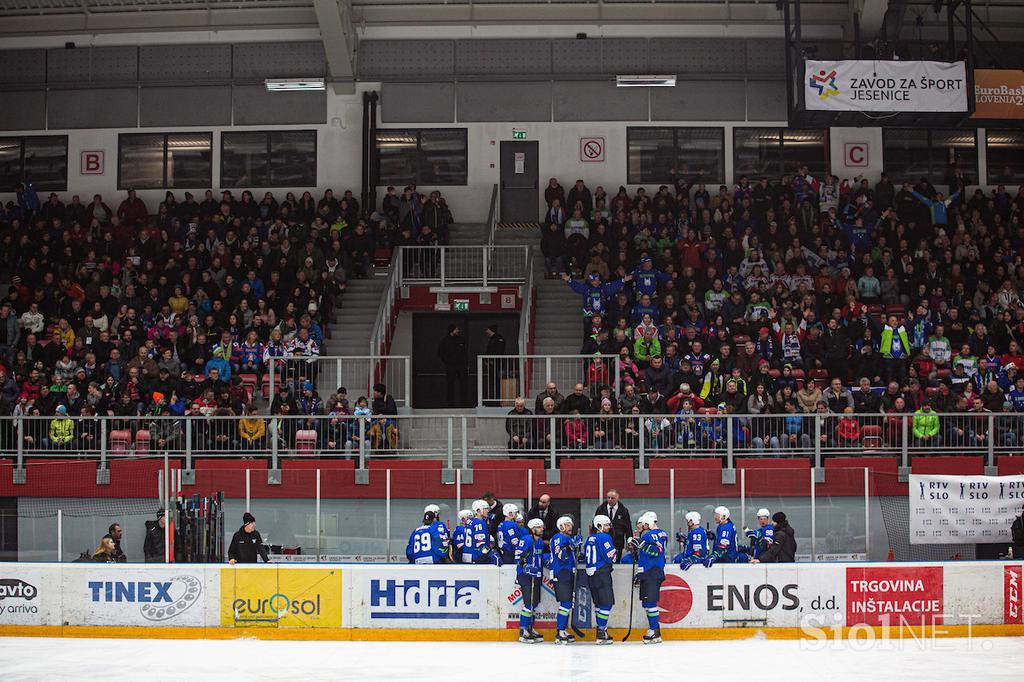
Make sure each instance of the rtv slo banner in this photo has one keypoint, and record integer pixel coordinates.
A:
(879, 86)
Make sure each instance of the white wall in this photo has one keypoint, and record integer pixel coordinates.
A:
(857, 143)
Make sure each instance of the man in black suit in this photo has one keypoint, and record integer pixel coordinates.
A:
(544, 511)
(494, 516)
(622, 527)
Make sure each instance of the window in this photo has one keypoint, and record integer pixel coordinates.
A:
(911, 154)
(437, 156)
(1005, 156)
(652, 154)
(280, 158)
(40, 160)
(774, 152)
(165, 160)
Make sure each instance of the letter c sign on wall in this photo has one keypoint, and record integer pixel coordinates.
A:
(856, 155)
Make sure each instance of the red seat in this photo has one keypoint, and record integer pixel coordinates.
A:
(305, 441)
(120, 439)
(817, 374)
(382, 257)
(798, 373)
(266, 384)
(871, 436)
(931, 390)
(895, 309)
(943, 373)
(740, 338)
(707, 410)
(249, 381)
(774, 373)
(142, 442)
(875, 309)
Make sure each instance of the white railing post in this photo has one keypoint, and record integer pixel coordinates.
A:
(441, 250)
(481, 398)
(318, 515)
(991, 440)
(486, 252)
(814, 520)
(867, 514)
(451, 443)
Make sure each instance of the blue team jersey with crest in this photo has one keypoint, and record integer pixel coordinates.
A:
(652, 550)
(600, 552)
(428, 544)
(508, 537)
(477, 540)
(529, 556)
(725, 541)
(563, 553)
(459, 538)
(696, 543)
(761, 538)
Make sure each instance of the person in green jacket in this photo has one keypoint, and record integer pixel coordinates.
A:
(646, 347)
(926, 427)
(62, 429)
(895, 349)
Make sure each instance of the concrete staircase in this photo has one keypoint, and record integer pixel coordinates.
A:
(467, 234)
(350, 333)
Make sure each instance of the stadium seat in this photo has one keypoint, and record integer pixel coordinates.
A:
(305, 441)
(120, 439)
(142, 442)
(817, 374)
(871, 436)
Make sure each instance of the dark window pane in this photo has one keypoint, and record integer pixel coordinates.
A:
(243, 160)
(10, 163)
(756, 152)
(651, 154)
(954, 148)
(141, 162)
(431, 157)
(805, 148)
(443, 157)
(906, 154)
(700, 149)
(46, 162)
(1005, 156)
(189, 160)
(293, 158)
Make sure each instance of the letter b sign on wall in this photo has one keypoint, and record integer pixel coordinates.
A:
(92, 162)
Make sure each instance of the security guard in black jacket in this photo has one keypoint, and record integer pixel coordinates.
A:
(246, 543)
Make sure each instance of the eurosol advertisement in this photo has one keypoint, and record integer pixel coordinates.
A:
(284, 597)
(169, 595)
(963, 509)
(423, 596)
(885, 86)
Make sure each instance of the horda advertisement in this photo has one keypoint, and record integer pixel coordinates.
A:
(884, 86)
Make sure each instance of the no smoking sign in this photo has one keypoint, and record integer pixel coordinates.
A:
(592, 149)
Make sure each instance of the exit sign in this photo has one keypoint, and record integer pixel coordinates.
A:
(518, 134)
(461, 305)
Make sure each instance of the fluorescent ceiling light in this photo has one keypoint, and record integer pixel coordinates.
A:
(294, 84)
(645, 81)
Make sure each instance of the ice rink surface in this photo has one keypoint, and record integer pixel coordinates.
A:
(999, 658)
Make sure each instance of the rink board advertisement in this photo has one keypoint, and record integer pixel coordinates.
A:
(353, 601)
(963, 509)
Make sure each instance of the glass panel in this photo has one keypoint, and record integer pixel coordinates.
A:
(293, 159)
(650, 154)
(10, 163)
(46, 162)
(444, 159)
(396, 156)
(243, 161)
(285, 512)
(141, 162)
(810, 147)
(756, 153)
(189, 160)
(352, 529)
(905, 153)
(701, 149)
(1005, 156)
(954, 148)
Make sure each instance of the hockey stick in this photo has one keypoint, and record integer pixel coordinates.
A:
(632, 595)
(572, 609)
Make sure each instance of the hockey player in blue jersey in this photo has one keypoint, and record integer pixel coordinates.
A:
(563, 547)
(529, 558)
(650, 569)
(696, 538)
(478, 548)
(508, 533)
(459, 536)
(762, 537)
(429, 543)
(725, 549)
(600, 553)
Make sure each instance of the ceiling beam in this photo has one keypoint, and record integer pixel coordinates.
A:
(340, 42)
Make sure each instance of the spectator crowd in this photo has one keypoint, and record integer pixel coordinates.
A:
(879, 307)
(183, 310)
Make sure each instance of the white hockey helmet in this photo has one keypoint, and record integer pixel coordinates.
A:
(763, 513)
(693, 517)
(432, 509)
(509, 509)
(600, 521)
(722, 511)
(563, 520)
(648, 519)
(464, 514)
(519, 516)
(480, 505)
(535, 523)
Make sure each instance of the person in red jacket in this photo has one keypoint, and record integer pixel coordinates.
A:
(848, 430)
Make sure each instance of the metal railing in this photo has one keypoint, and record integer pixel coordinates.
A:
(500, 378)
(492, 215)
(457, 440)
(473, 266)
(356, 373)
(383, 326)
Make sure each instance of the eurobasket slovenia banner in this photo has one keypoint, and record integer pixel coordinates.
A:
(878, 86)
(963, 509)
(999, 94)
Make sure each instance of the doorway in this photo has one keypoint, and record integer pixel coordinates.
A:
(519, 182)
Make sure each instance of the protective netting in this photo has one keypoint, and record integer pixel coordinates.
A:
(896, 515)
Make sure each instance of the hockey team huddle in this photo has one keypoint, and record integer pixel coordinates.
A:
(524, 546)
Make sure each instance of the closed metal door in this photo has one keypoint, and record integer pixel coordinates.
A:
(519, 182)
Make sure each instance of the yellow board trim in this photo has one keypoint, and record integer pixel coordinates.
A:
(506, 635)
